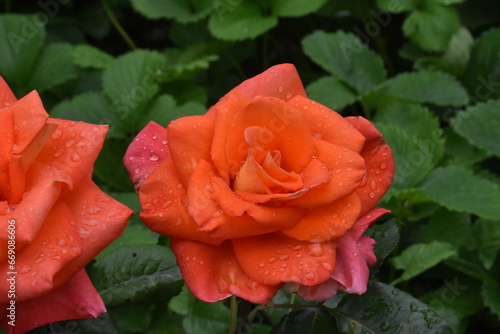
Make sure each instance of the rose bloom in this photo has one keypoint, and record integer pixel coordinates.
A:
(54, 220)
(268, 189)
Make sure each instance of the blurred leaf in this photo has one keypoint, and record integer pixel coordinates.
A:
(386, 238)
(396, 6)
(53, 67)
(111, 155)
(457, 55)
(91, 108)
(414, 158)
(386, 310)
(448, 226)
(417, 258)
(311, 320)
(136, 272)
(200, 317)
(180, 10)
(101, 325)
(459, 189)
(294, 8)
(486, 239)
(93, 20)
(130, 317)
(432, 26)
(190, 60)
(243, 20)
(460, 151)
(87, 56)
(331, 92)
(131, 82)
(427, 87)
(21, 40)
(480, 125)
(491, 296)
(482, 77)
(343, 55)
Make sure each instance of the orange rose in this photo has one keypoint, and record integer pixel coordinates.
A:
(268, 187)
(53, 218)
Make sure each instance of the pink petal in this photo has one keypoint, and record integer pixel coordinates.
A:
(146, 152)
(76, 299)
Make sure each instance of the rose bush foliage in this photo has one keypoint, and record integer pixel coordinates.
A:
(62, 219)
(268, 189)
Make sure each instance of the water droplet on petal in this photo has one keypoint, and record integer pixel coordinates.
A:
(310, 275)
(56, 257)
(315, 250)
(154, 157)
(371, 195)
(383, 165)
(284, 257)
(373, 184)
(280, 88)
(75, 157)
(137, 170)
(272, 260)
(327, 266)
(57, 134)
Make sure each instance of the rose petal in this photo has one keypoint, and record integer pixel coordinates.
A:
(328, 125)
(212, 273)
(224, 111)
(327, 222)
(219, 212)
(379, 164)
(280, 81)
(73, 148)
(346, 169)
(164, 210)
(146, 152)
(56, 244)
(318, 293)
(274, 258)
(76, 299)
(6, 95)
(99, 219)
(189, 141)
(284, 122)
(355, 254)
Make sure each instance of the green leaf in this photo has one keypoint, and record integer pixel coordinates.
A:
(92, 108)
(386, 238)
(189, 60)
(136, 272)
(294, 8)
(131, 82)
(486, 239)
(427, 87)
(112, 155)
(491, 296)
(457, 55)
(414, 158)
(396, 6)
(87, 56)
(183, 11)
(241, 21)
(479, 124)
(448, 226)
(343, 55)
(432, 27)
(417, 258)
(460, 151)
(21, 39)
(386, 310)
(53, 67)
(311, 320)
(459, 189)
(331, 92)
(200, 317)
(101, 325)
(482, 75)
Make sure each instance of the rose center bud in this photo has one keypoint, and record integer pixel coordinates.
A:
(261, 172)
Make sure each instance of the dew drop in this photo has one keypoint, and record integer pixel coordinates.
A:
(288, 95)
(57, 134)
(310, 275)
(25, 270)
(75, 157)
(297, 248)
(280, 88)
(154, 157)
(305, 107)
(56, 257)
(39, 260)
(315, 250)
(371, 195)
(327, 266)
(284, 257)
(383, 165)
(179, 186)
(266, 273)
(373, 184)
(70, 143)
(62, 242)
(261, 265)
(137, 170)
(272, 260)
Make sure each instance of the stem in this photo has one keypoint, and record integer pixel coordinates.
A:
(117, 25)
(233, 320)
(292, 301)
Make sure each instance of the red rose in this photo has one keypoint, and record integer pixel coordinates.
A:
(53, 218)
(268, 187)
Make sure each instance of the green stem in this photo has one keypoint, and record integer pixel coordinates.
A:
(117, 25)
(292, 301)
(233, 321)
